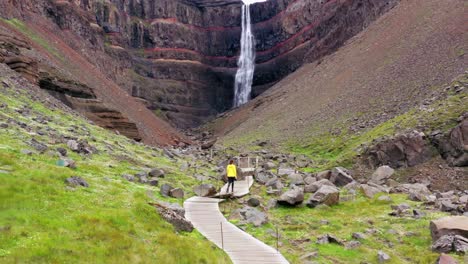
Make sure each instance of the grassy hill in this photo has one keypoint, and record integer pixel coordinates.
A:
(42, 220)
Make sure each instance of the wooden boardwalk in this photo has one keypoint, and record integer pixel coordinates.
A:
(241, 188)
(241, 247)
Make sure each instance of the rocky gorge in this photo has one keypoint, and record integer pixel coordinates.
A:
(180, 56)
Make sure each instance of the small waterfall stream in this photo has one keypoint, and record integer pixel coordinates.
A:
(246, 62)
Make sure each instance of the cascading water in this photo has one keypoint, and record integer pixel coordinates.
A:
(246, 62)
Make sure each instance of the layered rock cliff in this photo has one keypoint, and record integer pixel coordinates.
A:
(180, 56)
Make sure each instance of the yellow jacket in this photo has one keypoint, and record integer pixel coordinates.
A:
(231, 171)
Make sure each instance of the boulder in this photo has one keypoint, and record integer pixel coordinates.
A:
(165, 189)
(39, 146)
(253, 202)
(284, 171)
(416, 188)
(405, 150)
(446, 259)
(369, 191)
(177, 193)
(444, 244)
(353, 244)
(450, 225)
(128, 177)
(205, 190)
(328, 195)
(269, 165)
(382, 256)
(296, 179)
(263, 177)
(158, 173)
(175, 218)
(382, 174)
(275, 184)
(311, 188)
(153, 181)
(325, 239)
(75, 181)
(324, 175)
(460, 244)
(358, 236)
(341, 176)
(250, 215)
(293, 197)
(272, 203)
(453, 147)
(309, 180)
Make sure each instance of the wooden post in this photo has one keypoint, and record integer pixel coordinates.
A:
(277, 239)
(222, 236)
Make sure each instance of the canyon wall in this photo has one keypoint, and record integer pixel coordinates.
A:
(180, 56)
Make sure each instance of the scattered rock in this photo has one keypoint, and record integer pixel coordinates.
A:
(358, 236)
(385, 198)
(177, 193)
(75, 181)
(294, 196)
(382, 174)
(382, 256)
(26, 152)
(325, 239)
(450, 225)
(158, 173)
(309, 256)
(41, 147)
(175, 218)
(285, 171)
(353, 244)
(251, 215)
(128, 177)
(165, 189)
(205, 190)
(341, 176)
(328, 195)
(418, 213)
(272, 203)
(62, 152)
(269, 165)
(296, 179)
(311, 188)
(444, 244)
(253, 202)
(460, 244)
(446, 259)
(369, 191)
(153, 181)
(402, 151)
(324, 175)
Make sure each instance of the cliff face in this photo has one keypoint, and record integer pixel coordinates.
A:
(180, 56)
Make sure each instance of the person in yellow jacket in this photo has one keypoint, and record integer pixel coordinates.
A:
(231, 173)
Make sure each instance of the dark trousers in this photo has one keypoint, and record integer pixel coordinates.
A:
(230, 181)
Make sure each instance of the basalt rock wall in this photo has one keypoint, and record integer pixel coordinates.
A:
(181, 55)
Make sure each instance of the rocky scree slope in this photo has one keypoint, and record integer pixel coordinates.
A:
(180, 56)
(67, 57)
(74, 192)
(403, 63)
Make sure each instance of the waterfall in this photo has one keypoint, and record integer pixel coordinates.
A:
(246, 62)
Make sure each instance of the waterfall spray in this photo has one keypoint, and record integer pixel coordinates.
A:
(246, 62)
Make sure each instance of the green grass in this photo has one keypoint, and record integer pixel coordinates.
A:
(44, 221)
(303, 224)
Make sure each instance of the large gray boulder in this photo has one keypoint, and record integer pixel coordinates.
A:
(449, 225)
(328, 195)
(341, 176)
(250, 215)
(453, 147)
(382, 174)
(296, 179)
(294, 196)
(324, 175)
(311, 188)
(205, 190)
(177, 193)
(165, 189)
(262, 176)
